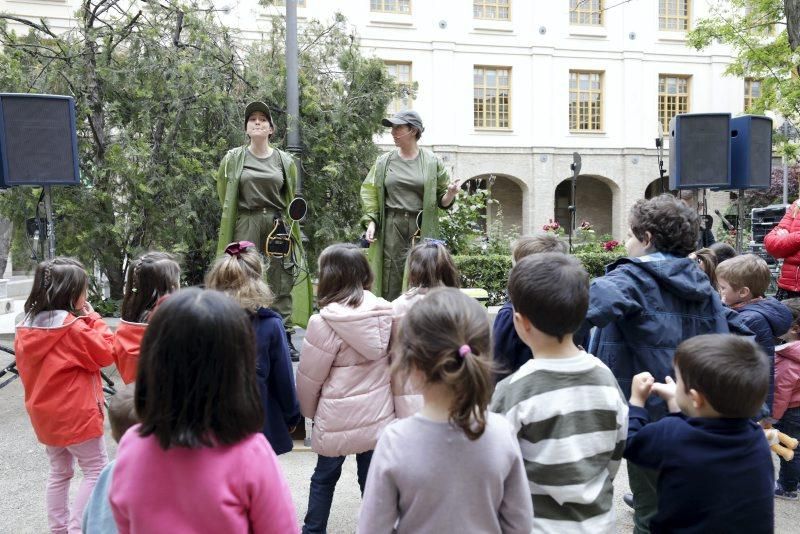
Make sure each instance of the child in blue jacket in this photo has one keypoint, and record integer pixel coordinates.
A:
(646, 305)
(510, 352)
(239, 273)
(743, 282)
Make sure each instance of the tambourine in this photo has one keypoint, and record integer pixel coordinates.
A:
(298, 209)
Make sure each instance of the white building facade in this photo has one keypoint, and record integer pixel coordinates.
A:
(511, 88)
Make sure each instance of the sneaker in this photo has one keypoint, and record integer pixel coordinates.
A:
(781, 493)
(628, 499)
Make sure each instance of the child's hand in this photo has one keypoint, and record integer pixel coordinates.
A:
(640, 388)
(667, 392)
(87, 308)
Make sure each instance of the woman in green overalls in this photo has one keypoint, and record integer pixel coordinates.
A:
(255, 183)
(401, 184)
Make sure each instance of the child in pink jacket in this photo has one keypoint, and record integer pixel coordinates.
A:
(786, 406)
(198, 461)
(343, 381)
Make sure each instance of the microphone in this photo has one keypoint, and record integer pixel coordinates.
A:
(725, 223)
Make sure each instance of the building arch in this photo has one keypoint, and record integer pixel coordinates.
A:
(508, 192)
(656, 187)
(596, 200)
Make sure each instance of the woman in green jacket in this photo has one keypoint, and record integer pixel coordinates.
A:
(402, 183)
(256, 183)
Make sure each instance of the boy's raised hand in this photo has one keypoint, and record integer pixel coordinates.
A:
(640, 388)
(667, 392)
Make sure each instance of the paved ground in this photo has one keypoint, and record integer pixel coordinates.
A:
(23, 471)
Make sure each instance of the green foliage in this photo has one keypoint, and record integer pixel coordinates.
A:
(160, 89)
(757, 32)
(595, 262)
(462, 224)
(490, 272)
(107, 307)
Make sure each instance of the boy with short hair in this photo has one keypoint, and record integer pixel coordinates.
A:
(646, 305)
(743, 282)
(714, 466)
(510, 352)
(97, 516)
(565, 405)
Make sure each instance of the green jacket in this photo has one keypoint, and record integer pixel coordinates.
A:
(373, 203)
(228, 175)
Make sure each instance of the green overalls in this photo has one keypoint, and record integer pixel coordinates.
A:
(394, 207)
(253, 192)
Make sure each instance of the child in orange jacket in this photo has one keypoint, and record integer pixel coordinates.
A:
(150, 277)
(61, 345)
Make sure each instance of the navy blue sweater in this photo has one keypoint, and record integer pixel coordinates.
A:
(275, 380)
(509, 350)
(715, 475)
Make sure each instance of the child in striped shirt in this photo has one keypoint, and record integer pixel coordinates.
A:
(565, 405)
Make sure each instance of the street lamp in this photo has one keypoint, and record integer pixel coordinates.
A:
(789, 132)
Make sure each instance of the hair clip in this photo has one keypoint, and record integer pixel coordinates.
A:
(464, 350)
(47, 276)
(237, 247)
(432, 241)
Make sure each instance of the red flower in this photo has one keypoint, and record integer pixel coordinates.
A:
(610, 245)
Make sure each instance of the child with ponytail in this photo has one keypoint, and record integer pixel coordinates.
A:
(240, 274)
(150, 277)
(453, 466)
(61, 345)
(429, 265)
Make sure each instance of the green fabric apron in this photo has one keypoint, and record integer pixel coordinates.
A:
(373, 200)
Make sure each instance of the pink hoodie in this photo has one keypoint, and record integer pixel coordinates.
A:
(787, 378)
(343, 381)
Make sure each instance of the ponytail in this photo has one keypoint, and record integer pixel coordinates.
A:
(446, 338)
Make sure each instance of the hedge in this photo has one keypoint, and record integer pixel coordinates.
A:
(490, 272)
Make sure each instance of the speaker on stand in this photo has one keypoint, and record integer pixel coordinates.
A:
(699, 151)
(713, 150)
(700, 154)
(751, 164)
(39, 146)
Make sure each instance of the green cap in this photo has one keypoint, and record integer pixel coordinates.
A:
(252, 107)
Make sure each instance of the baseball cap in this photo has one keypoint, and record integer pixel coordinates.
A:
(408, 116)
(252, 107)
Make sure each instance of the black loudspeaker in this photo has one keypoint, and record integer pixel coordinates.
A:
(699, 151)
(751, 156)
(38, 141)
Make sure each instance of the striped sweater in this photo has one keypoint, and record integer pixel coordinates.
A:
(571, 420)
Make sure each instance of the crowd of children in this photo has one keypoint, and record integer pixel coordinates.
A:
(669, 360)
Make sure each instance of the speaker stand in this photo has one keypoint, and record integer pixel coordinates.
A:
(51, 231)
(575, 166)
(739, 222)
